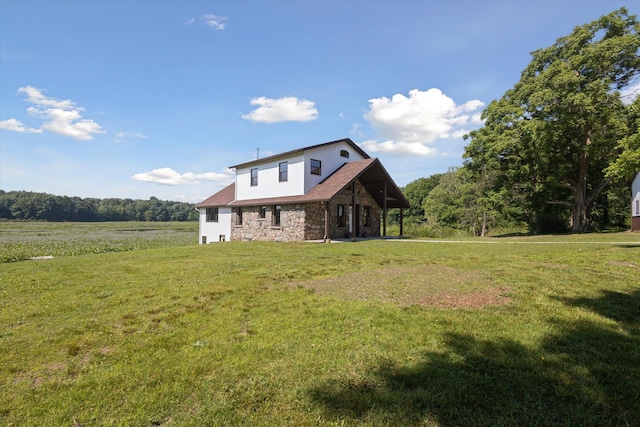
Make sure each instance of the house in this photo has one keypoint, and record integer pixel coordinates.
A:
(326, 191)
(635, 202)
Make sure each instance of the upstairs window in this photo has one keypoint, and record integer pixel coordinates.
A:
(637, 207)
(344, 153)
(316, 167)
(254, 177)
(283, 171)
(212, 214)
(275, 217)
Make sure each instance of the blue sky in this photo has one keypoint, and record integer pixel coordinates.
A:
(134, 99)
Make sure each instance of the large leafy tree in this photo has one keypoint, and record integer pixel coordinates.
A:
(552, 136)
(628, 161)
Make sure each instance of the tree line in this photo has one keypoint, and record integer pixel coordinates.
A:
(556, 151)
(25, 205)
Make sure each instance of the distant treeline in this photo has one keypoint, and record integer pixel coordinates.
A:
(25, 205)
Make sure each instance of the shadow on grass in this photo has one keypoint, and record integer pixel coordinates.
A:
(583, 374)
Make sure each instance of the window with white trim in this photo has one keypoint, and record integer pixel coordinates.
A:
(283, 171)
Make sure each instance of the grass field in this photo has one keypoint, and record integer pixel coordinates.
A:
(504, 331)
(21, 240)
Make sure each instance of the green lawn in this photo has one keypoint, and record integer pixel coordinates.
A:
(507, 332)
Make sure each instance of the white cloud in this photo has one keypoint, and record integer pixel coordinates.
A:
(400, 148)
(210, 20)
(14, 125)
(35, 96)
(122, 136)
(59, 116)
(286, 109)
(167, 176)
(409, 124)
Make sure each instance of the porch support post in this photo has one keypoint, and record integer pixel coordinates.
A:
(353, 209)
(384, 211)
(326, 221)
(401, 222)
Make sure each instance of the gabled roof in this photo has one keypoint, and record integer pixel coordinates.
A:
(301, 150)
(369, 172)
(221, 198)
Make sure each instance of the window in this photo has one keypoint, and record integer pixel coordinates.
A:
(262, 213)
(254, 177)
(316, 167)
(344, 153)
(283, 171)
(637, 207)
(367, 216)
(212, 214)
(239, 216)
(342, 216)
(275, 216)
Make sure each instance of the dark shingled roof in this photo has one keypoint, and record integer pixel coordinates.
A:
(221, 198)
(369, 172)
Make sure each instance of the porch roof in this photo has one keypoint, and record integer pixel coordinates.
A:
(369, 172)
(221, 198)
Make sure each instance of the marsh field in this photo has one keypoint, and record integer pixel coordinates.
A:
(148, 328)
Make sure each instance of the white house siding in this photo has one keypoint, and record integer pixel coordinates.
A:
(635, 191)
(269, 184)
(331, 160)
(214, 230)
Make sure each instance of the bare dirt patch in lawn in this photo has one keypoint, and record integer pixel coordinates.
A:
(425, 285)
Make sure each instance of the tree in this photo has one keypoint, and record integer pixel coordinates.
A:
(415, 192)
(553, 135)
(628, 161)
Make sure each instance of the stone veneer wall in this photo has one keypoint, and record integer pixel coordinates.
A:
(291, 228)
(305, 221)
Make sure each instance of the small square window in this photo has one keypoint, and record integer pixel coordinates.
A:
(283, 171)
(254, 177)
(316, 167)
